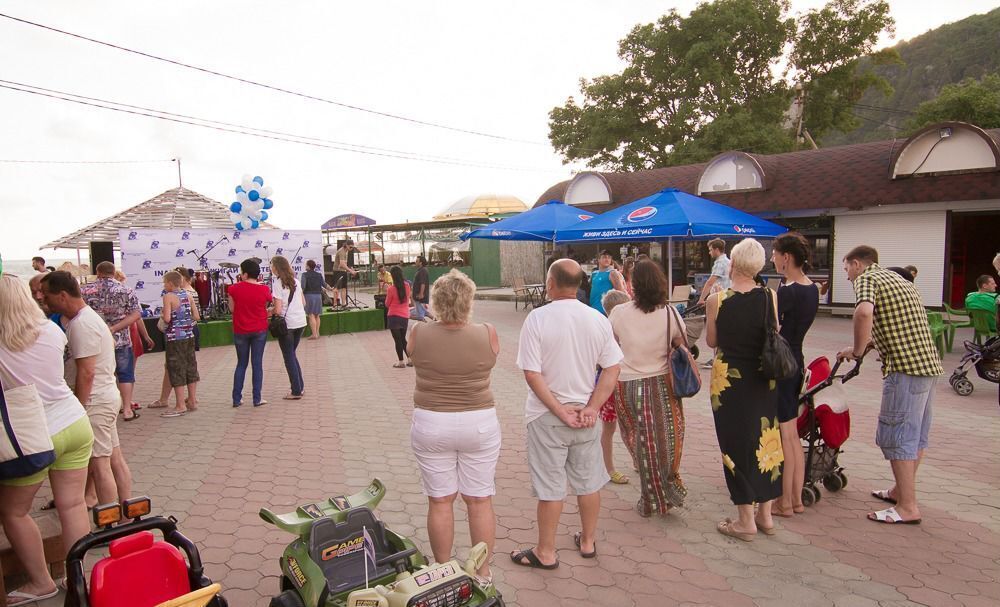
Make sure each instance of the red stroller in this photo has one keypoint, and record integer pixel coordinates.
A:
(824, 425)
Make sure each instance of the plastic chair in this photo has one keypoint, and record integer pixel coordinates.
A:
(955, 319)
(936, 323)
(981, 325)
(139, 572)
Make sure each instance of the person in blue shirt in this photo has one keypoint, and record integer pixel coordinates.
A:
(603, 279)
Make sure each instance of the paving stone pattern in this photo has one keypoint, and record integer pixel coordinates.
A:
(216, 468)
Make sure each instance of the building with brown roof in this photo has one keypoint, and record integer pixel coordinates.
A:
(932, 201)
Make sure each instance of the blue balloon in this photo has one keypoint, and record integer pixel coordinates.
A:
(268, 203)
(263, 215)
(255, 223)
(258, 180)
(253, 195)
(236, 207)
(239, 226)
(239, 189)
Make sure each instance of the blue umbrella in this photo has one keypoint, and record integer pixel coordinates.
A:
(540, 223)
(666, 215)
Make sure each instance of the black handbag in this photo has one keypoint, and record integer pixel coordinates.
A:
(277, 326)
(683, 371)
(776, 358)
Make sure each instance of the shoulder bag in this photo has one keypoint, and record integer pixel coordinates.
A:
(683, 370)
(25, 444)
(776, 358)
(277, 325)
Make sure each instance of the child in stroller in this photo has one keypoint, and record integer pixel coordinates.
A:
(824, 424)
(985, 359)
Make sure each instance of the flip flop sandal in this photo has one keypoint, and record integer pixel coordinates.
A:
(775, 511)
(576, 540)
(23, 598)
(260, 404)
(766, 530)
(618, 478)
(292, 397)
(726, 528)
(157, 404)
(135, 416)
(527, 558)
(884, 495)
(173, 413)
(889, 516)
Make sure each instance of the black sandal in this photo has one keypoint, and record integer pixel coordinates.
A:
(587, 555)
(135, 415)
(532, 560)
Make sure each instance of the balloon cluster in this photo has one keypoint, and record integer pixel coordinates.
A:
(252, 202)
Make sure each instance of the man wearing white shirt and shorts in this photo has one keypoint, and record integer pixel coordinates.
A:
(561, 346)
(90, 371)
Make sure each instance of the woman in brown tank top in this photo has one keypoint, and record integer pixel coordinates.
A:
(455, 433)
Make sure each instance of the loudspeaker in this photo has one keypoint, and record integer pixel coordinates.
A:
(101, 250)
(328, 269)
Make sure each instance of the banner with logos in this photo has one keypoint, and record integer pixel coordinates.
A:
(148, 254)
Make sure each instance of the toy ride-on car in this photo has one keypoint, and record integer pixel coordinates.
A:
(327, 566)
(140, 570)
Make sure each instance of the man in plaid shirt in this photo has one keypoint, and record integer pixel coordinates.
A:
(890, 310)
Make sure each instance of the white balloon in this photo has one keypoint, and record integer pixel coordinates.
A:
(265, 192)
(248, 183)
(235, 217)
(241, 197)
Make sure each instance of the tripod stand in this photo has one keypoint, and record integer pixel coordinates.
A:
(352, 302)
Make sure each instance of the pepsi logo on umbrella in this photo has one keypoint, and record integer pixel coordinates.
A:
(641, 214)
(585, 217)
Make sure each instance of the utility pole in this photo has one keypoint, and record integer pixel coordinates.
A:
(180, 182)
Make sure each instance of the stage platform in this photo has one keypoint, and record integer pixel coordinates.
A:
(220, 332)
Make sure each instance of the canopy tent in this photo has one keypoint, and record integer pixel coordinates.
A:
(452, 246)
(482, 205)
(349, 220)
(540, 223)
(178, 209)
(666, 215)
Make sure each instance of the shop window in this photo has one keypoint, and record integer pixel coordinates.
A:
(588, 188)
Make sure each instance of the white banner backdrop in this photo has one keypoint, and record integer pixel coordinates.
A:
(148, 254)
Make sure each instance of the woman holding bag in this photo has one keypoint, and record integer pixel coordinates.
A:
(289, 304)
(744, 399)
(31, 353)
(649, 413)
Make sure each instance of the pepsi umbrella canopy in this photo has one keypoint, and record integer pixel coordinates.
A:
(667, 214)
(540, 223)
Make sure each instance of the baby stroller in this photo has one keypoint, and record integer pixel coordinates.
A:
(986, 360)
(694, 323)
(824, 424)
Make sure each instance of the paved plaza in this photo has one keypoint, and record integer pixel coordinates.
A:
(214, 469)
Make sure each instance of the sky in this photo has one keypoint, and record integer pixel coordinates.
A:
(496, 68)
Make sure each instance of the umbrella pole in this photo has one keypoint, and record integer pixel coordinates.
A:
(670, 266)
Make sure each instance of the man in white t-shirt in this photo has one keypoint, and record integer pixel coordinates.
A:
(90, 371)
(561, 346)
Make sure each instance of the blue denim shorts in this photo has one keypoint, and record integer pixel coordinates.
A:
(125, 365)
(905, 418)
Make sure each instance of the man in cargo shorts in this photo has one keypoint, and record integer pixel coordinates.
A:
(561, 346)
(890, 310)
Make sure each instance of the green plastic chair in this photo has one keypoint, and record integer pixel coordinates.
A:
(935, 320)
(981, 325)
(955, 319)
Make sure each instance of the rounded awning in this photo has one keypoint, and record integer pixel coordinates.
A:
(482, 205)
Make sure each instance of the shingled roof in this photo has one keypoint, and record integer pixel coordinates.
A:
(850, 176)
(176, 209)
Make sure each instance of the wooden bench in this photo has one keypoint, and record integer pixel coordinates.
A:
(55, 554)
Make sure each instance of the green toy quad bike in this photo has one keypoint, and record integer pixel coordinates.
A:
(326, 565)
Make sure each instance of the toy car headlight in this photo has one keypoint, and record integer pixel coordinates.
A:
(450, 595)
(107, 514)
(137, 506)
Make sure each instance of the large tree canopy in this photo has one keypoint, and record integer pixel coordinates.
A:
(973, 101)
(721, 79)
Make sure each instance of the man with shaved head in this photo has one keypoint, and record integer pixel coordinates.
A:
(561, 346)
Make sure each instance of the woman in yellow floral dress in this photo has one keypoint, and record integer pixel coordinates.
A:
(744, 402)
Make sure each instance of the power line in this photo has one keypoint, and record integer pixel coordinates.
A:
(887, 110)
(270, 86)
(891, 126)
(238, 129)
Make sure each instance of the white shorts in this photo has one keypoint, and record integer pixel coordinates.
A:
(456, 452)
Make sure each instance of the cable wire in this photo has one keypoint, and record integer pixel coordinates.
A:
(290, 138)
(39, 161)
(272, 87)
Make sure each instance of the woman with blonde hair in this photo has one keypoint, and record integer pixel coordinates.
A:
(31, 353)
(455, 433)
(289, 303)
(744, 400)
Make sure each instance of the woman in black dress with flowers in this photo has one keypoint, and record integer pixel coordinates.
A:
(744, 401)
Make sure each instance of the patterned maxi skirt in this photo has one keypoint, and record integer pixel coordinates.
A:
(651, 422)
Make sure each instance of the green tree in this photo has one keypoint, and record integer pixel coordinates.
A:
(974, 101)
(720, 79)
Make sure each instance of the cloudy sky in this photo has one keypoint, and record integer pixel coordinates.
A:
(496, 68)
